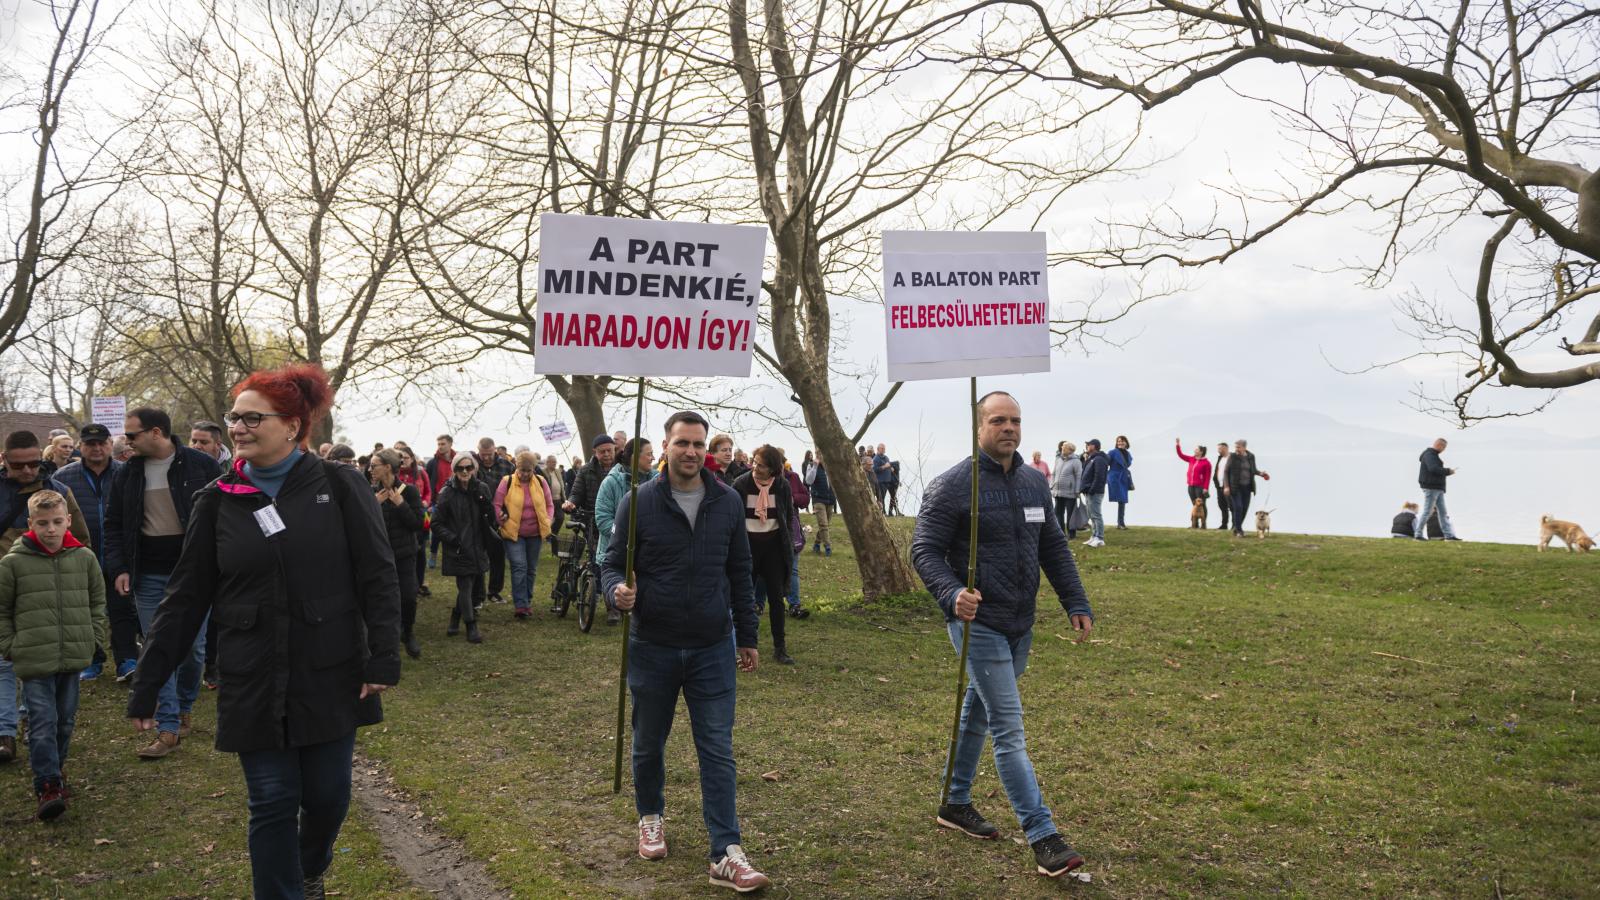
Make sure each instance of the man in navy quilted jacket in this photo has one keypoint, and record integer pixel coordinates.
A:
(693, 626)
(1017, 536)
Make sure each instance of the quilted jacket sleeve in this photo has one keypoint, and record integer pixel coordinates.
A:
(941, 515)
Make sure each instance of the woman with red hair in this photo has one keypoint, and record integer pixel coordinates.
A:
(288, 554)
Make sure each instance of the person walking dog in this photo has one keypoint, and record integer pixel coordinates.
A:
(1198, 477)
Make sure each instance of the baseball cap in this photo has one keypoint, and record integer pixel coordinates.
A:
(94, 431)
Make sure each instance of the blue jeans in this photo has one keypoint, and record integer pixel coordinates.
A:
(1433, 500)
(8, 700)
(705, 675)
(52, 711)
(1097, 522)
(523, 554)
(178, 694)
(1239, 499)
(298, 800)
(993, 707)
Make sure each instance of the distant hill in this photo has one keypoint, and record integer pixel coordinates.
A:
(1305, 431)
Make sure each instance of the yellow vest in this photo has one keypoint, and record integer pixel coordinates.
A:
(513, 522)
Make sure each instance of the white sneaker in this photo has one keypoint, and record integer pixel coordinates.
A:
(735, 871)
(1096, 542)
(652, 838)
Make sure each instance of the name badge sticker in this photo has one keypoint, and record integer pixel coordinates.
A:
(271, 523)
(1033, 515)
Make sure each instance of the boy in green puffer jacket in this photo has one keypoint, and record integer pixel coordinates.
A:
(52, 614)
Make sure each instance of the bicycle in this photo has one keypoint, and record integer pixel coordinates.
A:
(577, 579)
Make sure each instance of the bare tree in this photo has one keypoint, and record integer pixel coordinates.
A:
(64, 185)
(844, 144)
(1434, 114)
(563, 108)
(298, 109)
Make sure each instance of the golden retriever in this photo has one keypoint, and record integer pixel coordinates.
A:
(1569, 533)
(1263, 523)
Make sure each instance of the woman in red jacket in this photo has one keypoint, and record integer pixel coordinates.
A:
(416, 476)
(1199, 476)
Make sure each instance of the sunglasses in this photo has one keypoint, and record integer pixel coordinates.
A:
(466, 468)
(128, 436)
(30, 464)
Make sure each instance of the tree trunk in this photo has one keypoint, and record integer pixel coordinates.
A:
(585, 396)
(883, 570)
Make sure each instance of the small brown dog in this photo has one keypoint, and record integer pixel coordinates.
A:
(1569, 533)
(1263, 523)
(1197, 515)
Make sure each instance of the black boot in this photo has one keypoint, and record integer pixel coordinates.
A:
(473, 635)
(413, 649)
(782, 656)
(455, 624)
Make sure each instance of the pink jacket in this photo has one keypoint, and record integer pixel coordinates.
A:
(1199, 469)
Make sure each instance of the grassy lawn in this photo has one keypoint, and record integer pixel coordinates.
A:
(1234, 729)
(171, 828)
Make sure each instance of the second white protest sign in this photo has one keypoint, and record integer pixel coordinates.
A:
(960, 304)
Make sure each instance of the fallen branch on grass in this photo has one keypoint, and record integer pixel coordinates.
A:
(1420, 662)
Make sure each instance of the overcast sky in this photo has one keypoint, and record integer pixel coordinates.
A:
(1256, 334)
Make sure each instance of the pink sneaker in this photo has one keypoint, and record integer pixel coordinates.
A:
(735, 871)
(652, 838)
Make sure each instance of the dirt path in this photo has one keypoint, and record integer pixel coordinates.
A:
(435, 862)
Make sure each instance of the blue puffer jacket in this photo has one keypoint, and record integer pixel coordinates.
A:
(1016, 535)
(1094, 474)
(94, 496)
(821, 488)
(694, 583)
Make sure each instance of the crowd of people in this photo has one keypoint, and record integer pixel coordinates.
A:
(288, 579)
(239, 560)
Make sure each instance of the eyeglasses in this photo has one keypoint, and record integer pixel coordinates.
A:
(251, 420)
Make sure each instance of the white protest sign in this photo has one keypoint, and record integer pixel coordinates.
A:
(646, 297)
(555, 432)
(110, 412)
(961, 304)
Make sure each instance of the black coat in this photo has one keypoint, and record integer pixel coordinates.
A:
(586, 487)
(304, 617)
(745, 487)
(463, 519)
(404, 522)
(1432, 473)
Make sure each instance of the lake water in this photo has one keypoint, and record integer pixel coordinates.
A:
(1495, 496)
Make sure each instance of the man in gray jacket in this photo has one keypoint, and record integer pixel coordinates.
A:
(1018, 535)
